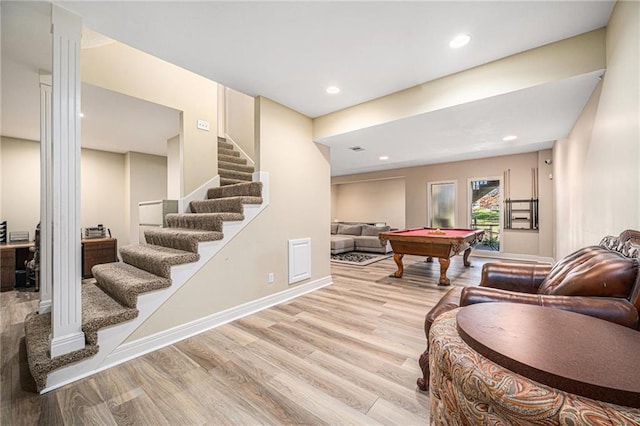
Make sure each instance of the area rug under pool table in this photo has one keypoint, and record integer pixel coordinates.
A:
(358, 258)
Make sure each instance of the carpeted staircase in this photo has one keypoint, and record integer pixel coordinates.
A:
(231, 167)
(112, 299)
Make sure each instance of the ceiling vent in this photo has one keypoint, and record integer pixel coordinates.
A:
(356, 148)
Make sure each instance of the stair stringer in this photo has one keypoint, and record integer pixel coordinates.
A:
(111, 338)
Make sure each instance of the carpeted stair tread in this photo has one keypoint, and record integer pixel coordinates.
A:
(181, 238)
(37, 328)
(242, 189)
(228, 152)
(233, 174)
(217, 205)
(244, 199)
(225, 145)
(125, 282)
(100, 310)
(223, 165)
(200, 221)
(227, 181)
(156, 259)
(231, 159)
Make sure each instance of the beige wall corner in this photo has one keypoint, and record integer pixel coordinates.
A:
(123, 69)
(299, 207)
(147, 182)
(556, 61)
(103, 197)
(240, 121)
(380, 200)
(597, 168)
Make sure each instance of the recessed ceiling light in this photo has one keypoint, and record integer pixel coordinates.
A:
(332, 90)
(459, 41)
(383, 157)
(510, 138)
(81, 114)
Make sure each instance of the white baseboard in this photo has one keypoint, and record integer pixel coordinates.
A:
(130, 350)
(512, 256)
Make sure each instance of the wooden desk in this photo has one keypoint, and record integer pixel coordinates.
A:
(12, 259)
(13, 256)
(96, 251)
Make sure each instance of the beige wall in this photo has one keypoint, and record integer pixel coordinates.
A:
(102, 192)
(416, 178)
(146, 180)
(102, 188)
(174, 170)
(299, 208)
(20, 189)
(239, 120)
(597, 168)
(126, 70)
(370, 201)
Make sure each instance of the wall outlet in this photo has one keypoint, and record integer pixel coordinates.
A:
(203, 125)
(270, 278)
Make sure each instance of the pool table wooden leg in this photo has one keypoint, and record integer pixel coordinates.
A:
(398, 259)
(444, 265)
(465, 257)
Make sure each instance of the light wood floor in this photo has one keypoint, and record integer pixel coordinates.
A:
(345, 354)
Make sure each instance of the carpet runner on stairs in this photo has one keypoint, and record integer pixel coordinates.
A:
(112, 299)
(231, 167)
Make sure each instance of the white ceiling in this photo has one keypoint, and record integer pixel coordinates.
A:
(291, 51)
(118, 123)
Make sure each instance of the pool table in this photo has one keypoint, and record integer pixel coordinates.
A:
(431, 242)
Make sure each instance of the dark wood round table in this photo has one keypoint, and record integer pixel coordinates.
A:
(575, 353)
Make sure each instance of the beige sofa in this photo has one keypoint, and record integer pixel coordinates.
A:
(359, 237)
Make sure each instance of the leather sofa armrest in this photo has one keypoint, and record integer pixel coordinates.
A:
(616, 310)
(520, 277)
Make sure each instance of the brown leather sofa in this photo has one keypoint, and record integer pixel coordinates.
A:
(601, 281)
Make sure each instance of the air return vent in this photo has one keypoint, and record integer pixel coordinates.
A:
(356, 148)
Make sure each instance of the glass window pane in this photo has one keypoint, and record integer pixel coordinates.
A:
(443, 205)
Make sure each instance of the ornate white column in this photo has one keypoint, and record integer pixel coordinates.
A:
(66, 308)
(45, 194)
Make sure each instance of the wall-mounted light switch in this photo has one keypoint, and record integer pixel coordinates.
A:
(203, 125)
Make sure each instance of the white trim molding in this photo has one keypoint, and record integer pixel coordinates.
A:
(199, 194)
(512, 256)
(131, 350)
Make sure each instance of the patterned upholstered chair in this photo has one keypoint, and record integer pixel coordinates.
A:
(601, 281)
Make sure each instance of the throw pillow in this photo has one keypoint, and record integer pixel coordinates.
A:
(349, 229)
(334, 228)
(373, 231)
